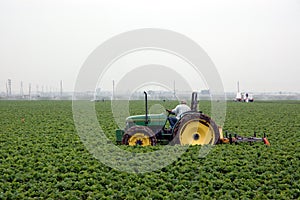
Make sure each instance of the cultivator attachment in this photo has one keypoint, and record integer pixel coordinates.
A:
(234, 138)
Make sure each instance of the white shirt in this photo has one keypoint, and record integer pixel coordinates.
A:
(179, 109)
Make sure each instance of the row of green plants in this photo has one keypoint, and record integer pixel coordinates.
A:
(41, 156)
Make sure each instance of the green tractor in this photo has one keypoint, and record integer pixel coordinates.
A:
(193, 128)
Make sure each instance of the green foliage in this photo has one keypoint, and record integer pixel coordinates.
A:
(41, 156)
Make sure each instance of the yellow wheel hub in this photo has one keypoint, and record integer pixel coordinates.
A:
(196, 133)
(139, 139)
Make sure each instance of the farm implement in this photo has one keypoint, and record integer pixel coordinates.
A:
(193, 128)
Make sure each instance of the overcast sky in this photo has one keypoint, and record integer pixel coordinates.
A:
(254, 41)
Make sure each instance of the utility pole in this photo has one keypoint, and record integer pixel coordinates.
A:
(29, 91)
(9, 87)
(174, 88)
(61, 88)
(6, 89)
(21, 90)
(113, 91)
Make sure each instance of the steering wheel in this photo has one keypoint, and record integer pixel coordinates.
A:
(170, 112)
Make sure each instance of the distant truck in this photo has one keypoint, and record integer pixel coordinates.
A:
(244, 97)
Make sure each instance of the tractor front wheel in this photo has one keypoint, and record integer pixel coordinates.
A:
(139, 135)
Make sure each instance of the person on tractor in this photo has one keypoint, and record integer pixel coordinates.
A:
(178, 111)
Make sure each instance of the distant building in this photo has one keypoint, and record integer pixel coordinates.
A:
(205, 92)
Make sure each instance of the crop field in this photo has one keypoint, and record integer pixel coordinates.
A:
(42, 157)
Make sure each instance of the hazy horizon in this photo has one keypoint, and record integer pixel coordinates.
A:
(254, 42)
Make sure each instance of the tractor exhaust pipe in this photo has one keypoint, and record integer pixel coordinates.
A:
(146, 108)
(194, 102)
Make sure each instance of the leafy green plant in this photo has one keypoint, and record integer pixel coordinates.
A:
(41, 156)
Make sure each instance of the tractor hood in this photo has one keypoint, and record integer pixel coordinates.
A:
(153, 120)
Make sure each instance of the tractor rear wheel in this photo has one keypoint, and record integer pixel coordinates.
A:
(139, 135)
(196, 129)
